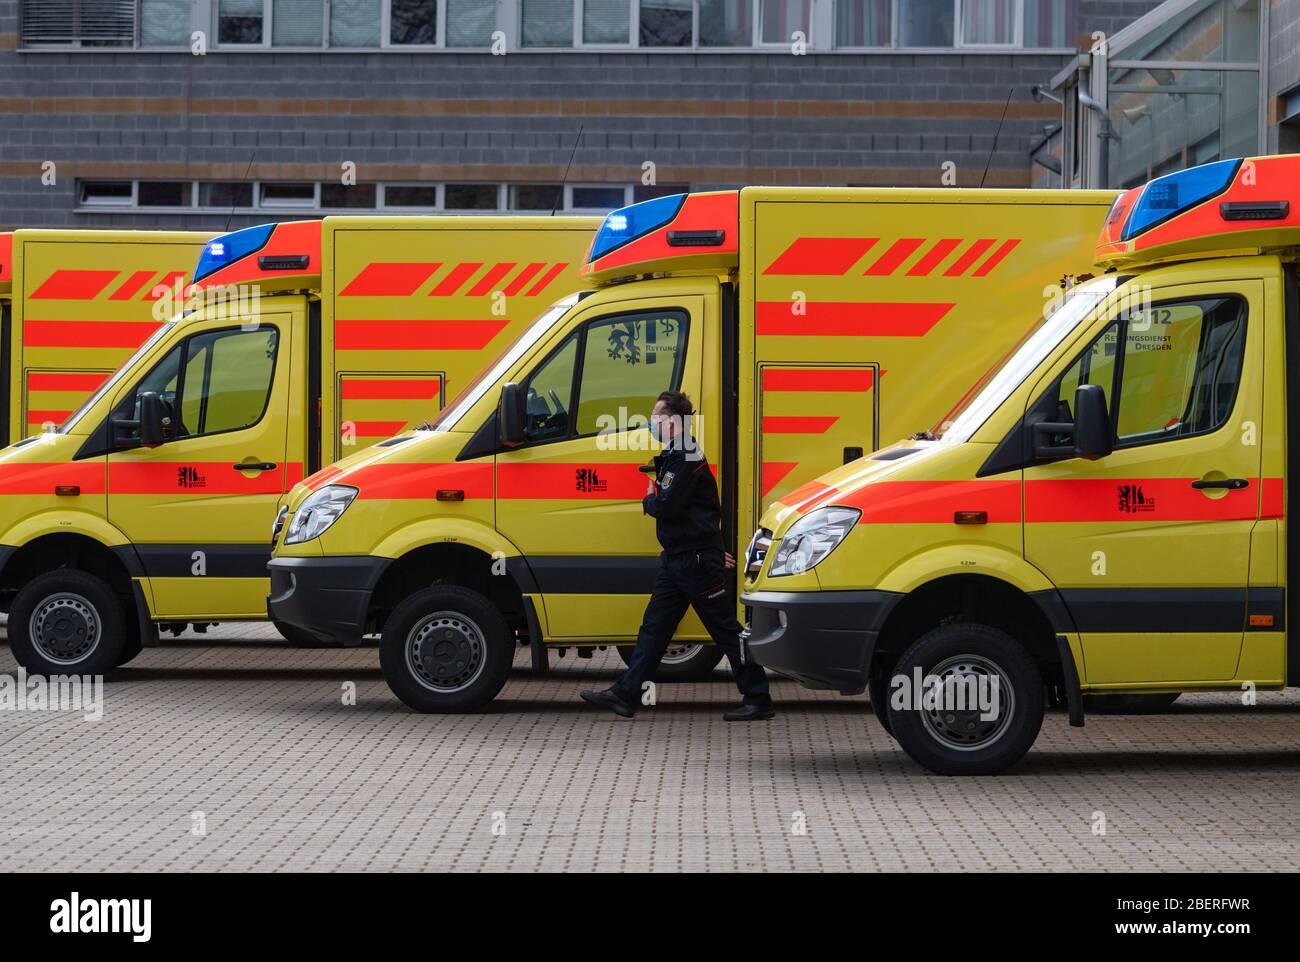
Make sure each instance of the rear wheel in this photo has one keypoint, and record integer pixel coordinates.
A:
(68, 622)
(982, 701)
(1130, 704)
(446, 649)
(682, 662)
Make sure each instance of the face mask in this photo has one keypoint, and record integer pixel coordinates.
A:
(656, 429)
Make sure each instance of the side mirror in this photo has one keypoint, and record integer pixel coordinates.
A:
(1092, 432)
(512, 415)
(151, 420)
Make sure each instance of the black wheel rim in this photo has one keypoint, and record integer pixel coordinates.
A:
(446, 652)
(65, 628)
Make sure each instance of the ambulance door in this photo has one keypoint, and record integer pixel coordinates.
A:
(199, 508)
(570, 497)
(1150, 545)
(811, 418)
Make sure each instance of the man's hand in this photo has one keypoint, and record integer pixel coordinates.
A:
(650, 486)
(728, 561)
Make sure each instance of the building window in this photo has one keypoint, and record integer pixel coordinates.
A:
(990, 23)
(295, 199)
(240, 21)
(726, 23)
(165, 23)
(413, 22)
(667, 23)
(864, 23)
(546, 23)
(781, 20)
(355, 23)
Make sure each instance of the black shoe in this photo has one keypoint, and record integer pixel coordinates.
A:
(751, 713)
(607, 699)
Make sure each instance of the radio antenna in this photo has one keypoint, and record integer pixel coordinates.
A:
(996, 135)
(234, 203)
(565, 179)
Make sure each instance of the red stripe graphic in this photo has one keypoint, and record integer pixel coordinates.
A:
(963, 263)
(87, 333)
(415, 335)
(158, 291)
(164, 477)
(805, 492)
(996, 258)
(389, 279)
(522, 278)
(1272, 504)
(1170, 499)
(457, 276)
(50, 417)
(70, 285)
(415, 389)
(773, 424)
(131, 286)
(64, 381)
(377, 429)
(43, 478)
(774, 472)
(546, 279)
(322, 477)
(933, 258)
(404, 481)
(933, 502)
(817, 380)
(849, 319)
(821, 255)
(544, 482)
(495, 274)
(893, 258)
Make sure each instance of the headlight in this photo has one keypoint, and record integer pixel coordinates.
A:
(811, 539)
(318, 512)
(278, 525)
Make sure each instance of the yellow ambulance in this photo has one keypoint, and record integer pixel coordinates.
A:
(73, 306)
(151, 505)
(806, 324)
(1107, 515)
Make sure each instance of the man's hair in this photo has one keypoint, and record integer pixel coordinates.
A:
(677, 403)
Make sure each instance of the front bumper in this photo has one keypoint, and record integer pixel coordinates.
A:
(827, 638)
(328, 598)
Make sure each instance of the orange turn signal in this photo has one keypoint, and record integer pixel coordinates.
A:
(970, 517)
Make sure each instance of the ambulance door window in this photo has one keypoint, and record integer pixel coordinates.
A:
(549, 392)
(627, 362)
(1181, 367)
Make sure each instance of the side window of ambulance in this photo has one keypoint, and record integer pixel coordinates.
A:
(227, 380)
(1096, 365)
(549, 390)
(627, 362)
(1182, 365)
(212, 382)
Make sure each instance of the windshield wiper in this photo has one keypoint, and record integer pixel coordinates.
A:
(922, 436)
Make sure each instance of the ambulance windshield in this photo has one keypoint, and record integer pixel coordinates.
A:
(116, 376)
(1008, 374)
(472, 392)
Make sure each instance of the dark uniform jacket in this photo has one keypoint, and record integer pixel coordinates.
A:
(685, 505)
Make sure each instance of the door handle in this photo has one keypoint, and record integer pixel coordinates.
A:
(1232, 484)
(255, 466)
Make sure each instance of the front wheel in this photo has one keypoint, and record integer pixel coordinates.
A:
(67, 622)
(446, 650)
(980, 705)
(684, 662)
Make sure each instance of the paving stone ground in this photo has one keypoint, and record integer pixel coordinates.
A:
(254, 736)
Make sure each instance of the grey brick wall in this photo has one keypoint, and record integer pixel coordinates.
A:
(707, 120)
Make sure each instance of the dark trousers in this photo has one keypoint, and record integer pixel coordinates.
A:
(696, 580)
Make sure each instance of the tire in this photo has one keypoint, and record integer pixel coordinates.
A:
(682, 662)
(68, 622)
(460, 641)
(1129, 704)
(301, 639)
(961, 742)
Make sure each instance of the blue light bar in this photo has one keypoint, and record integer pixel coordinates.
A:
(228, 248)
(1168, 196)
(628, 223)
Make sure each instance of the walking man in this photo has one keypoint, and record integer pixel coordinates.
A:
(694, 571)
